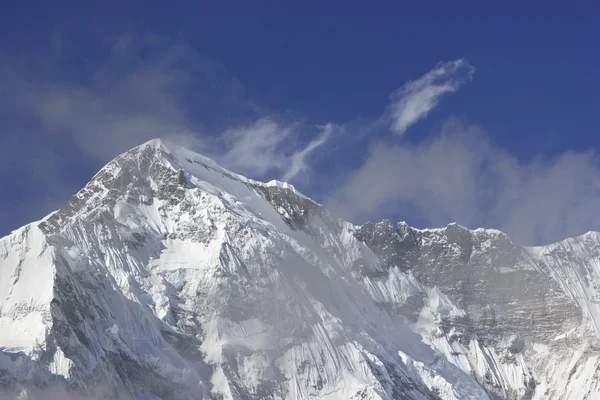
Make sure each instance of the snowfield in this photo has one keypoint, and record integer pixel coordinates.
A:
(169, 277)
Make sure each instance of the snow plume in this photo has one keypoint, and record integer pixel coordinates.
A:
(461, 175)
(416, 99)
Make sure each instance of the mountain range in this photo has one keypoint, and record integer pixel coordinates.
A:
(170, 277)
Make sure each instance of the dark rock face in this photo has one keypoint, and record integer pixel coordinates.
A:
(484, 272)
(295, 210)
(181, 179)
(396, 248)
(511, 299)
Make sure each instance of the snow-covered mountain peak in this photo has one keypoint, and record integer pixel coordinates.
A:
(168, 276)
(161, 172)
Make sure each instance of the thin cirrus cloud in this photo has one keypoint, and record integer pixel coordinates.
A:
(299, 161)
(254, 148)
(416, 99)
(265, 147)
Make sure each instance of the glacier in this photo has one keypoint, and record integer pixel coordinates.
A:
(170, 277)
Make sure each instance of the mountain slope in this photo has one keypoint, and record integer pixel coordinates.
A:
(170, 277)
(526, 324)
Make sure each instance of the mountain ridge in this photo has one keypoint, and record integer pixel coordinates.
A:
(169, 276)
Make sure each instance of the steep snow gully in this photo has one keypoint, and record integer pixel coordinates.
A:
(169, 277)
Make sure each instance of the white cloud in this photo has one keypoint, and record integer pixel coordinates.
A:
(269, 147)
(460, 175)
(298, 161)
(416, 99)
(254, 149)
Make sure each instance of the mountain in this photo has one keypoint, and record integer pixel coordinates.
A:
(169, 277)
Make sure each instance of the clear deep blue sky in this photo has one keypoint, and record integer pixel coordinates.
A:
(535, 89)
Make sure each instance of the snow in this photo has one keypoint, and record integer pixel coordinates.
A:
(26, 279)
(60, 364)
(22, 333)
(578, 273)
(209, 288)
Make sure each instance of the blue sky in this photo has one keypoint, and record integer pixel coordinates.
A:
(508, 139)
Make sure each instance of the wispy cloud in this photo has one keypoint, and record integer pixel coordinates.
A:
(127, 99)
(298, 161)
(255, 148)
(416, 99)
(270, 146)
